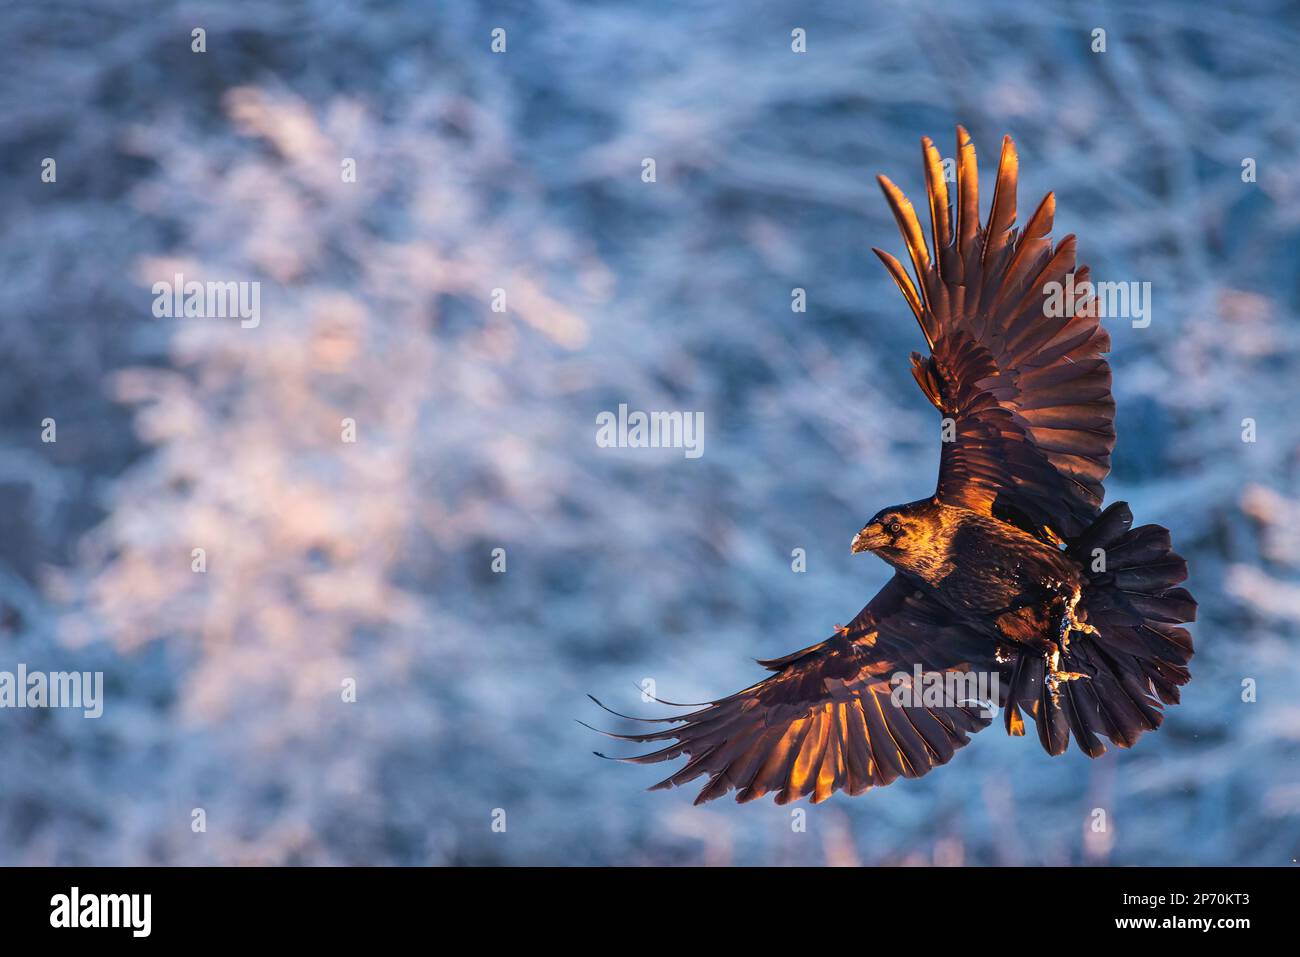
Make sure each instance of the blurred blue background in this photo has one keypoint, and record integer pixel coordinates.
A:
(521, 171)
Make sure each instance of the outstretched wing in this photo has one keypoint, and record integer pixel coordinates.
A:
(1016, 366)
(830, 719)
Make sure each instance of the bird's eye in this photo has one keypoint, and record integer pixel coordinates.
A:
(895, 527)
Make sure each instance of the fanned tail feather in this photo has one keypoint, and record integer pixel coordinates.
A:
(1138, 660)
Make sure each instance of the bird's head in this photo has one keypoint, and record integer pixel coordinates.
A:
(895, 532)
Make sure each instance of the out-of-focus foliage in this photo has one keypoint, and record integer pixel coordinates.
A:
(521, 171)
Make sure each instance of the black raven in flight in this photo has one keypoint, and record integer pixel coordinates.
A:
(1010, 570)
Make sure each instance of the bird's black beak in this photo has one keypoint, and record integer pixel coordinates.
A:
(870, 538)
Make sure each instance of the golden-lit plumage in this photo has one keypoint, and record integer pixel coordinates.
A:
(996, 573)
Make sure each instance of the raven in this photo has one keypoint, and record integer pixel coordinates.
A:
(1010, 570)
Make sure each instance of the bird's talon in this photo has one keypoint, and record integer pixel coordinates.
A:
(1056, 677)
(1070, 623)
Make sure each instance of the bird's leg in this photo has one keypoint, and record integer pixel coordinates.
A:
(1055, 676)
(1070, 623)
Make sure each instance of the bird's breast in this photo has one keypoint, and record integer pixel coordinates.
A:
(993, 569)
